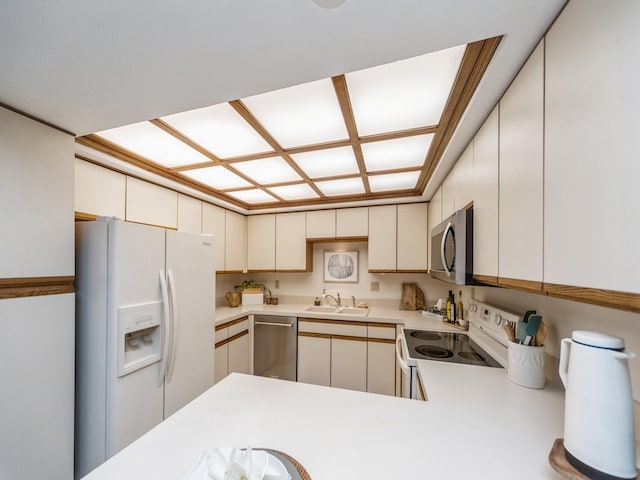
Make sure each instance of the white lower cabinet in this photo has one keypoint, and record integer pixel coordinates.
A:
(314, 359)
(349, 363)
(233, 348)
(346, 354)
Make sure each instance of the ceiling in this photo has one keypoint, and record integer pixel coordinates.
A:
(87, 67)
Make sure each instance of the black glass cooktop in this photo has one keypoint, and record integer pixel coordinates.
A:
(447, 347)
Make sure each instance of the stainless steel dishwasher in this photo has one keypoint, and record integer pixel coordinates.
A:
(275, 348)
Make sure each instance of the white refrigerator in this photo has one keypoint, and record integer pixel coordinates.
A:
(145, 306)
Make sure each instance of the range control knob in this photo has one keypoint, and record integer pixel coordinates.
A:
(498, 319)
(473, 307)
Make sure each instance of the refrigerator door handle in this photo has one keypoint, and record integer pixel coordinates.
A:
(166, 323)
(174, 322)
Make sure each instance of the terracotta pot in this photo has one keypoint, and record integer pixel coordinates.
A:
(233, 298)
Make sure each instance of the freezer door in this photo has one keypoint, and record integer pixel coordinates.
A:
(191, 280)
(134, 401)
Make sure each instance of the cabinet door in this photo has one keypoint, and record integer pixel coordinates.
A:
(352, 222)
(151, 204)
(412, 237)
(291, 242)
(382, 238)
(235, 242)
(592, 115)
(463, 193)
(189, 214)
(321, 224)
(349, 364)
(381, 367)
(448, 194)
(261, 242)
(485, 202)
(222, 362)
(435, 215)
(213, 221)
(521, 170)
(99, 191)
(314, 359)
(239, 355)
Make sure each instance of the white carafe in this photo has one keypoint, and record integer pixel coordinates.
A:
(599, 436)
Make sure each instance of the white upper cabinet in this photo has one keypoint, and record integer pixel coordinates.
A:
(352, 222)
(99, 191)
(382, 238)
(235, 242)
(261, 242)
(36, 194)
(151, 204)
(435, 216)
(521, 171)
(189, 214)
(463, 187)
(291, 244)
(321, 224)
(412, 237)
(449, 194)
(213, 221)
(485, 201)
(592, 171)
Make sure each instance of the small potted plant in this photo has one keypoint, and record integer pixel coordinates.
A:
(252, 292)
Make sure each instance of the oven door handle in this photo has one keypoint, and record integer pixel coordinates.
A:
(404, 366)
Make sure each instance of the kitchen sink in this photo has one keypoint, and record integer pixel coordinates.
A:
(341, 310)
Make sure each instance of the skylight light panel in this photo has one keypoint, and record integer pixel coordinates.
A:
(394, 181)
(345, 186)
(267, 170)
(302, 115)
(328, 162)
(253, 196)
(219, 129)
(396, 153)
(217, 177)
(300, 191)
(405, 94)
(154, 144)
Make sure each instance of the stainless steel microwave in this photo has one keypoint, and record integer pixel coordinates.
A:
(452, 249)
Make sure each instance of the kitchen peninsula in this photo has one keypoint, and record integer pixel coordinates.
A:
(498, 430)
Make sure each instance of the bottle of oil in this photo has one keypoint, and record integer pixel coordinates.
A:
(449, 307)
(460, 307)
(454, 314)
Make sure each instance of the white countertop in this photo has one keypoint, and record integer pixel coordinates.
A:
(408, 318)
(476, 424)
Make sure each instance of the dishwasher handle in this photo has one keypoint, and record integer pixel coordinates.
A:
(273, 324)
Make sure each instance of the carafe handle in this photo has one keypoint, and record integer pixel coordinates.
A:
(563, 368)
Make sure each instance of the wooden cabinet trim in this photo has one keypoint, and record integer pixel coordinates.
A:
(349, 338)
(528, 285)
(314, 335)
(231, 323)
(222, 343)
(604, 298)
(487, 280)
(334, 322)
(36, 286)
(381, 340)
(381, 325)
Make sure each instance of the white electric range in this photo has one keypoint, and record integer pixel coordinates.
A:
(484, 345)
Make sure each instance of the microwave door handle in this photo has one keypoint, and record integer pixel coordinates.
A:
(442, 247)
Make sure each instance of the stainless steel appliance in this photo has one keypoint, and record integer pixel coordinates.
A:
(452, 249)
(275, 347)
(483, 345)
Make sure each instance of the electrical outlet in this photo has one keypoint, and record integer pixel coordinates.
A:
(375, 286)
(277, 284)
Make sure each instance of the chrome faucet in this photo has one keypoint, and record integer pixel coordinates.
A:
(337, 300)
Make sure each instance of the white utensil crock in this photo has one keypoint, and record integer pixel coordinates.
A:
(599, 436)
(526, 365)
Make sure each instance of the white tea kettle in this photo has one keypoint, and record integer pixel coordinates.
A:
(599, 436)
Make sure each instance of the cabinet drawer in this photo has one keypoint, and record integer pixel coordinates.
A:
(241, 326)
(385, 331)
(333, 327)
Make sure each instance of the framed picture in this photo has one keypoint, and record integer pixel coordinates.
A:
(341, 267)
